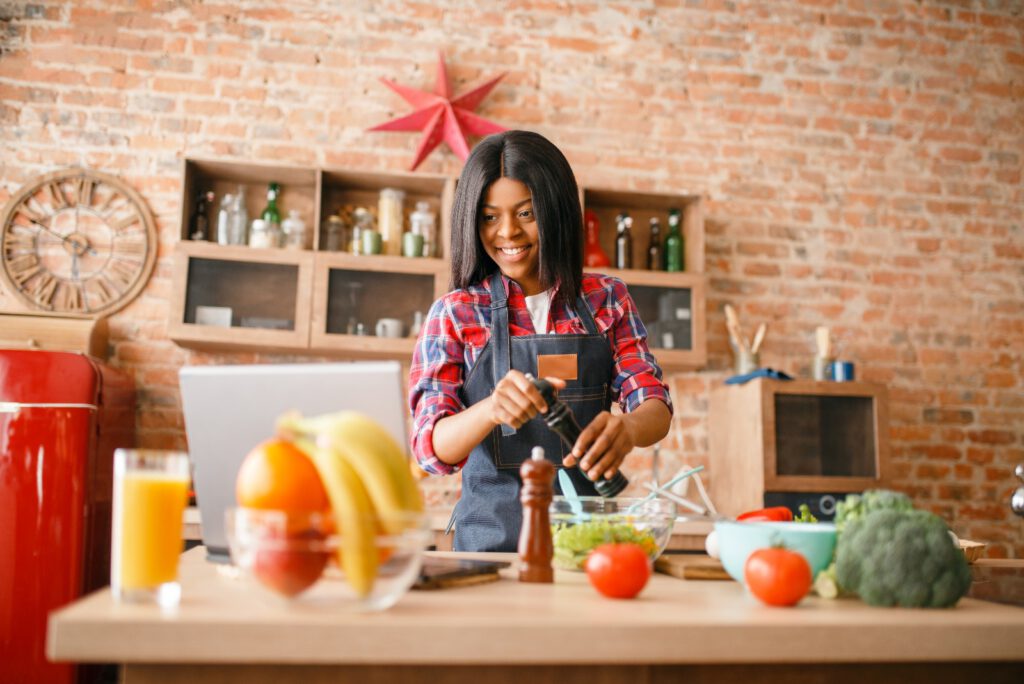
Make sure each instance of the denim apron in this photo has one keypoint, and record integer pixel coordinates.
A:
(488, 515)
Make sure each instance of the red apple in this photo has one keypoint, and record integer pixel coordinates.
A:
(292, 564)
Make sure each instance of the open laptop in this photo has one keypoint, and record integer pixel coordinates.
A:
(230, 409)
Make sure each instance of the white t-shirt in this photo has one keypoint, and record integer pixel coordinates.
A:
(538, 306)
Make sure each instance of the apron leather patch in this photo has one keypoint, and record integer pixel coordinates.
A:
(562, 366)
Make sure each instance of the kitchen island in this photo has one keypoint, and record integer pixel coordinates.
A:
(507, 631)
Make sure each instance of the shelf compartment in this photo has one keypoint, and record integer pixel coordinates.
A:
(299, 189)
(348, 188)
(801, 441)
(267, 291)
(607, 204)
(674, 297)
(351, 289)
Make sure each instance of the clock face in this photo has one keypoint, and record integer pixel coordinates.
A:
(77, 242)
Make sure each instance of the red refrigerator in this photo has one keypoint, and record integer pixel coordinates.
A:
(61, 417)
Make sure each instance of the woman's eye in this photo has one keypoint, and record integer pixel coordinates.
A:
(488, 218)
(526, 213)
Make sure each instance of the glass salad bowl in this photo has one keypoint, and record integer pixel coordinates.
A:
(580, 524)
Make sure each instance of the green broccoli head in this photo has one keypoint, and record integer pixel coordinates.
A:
(856, 506)
(901, 558)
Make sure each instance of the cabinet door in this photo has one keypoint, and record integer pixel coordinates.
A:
(367, 306)
(672, 309)
(241, 298)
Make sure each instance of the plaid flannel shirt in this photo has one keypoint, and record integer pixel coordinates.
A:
(457, 330)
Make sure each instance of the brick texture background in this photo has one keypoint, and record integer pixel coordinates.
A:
(861, 161)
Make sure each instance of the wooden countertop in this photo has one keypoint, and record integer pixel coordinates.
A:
(223, 620)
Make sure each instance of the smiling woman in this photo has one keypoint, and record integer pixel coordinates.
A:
(521, 305)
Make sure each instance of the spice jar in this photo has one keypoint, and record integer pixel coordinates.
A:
(263, 234)
(421, 222)
(294, 230)
(334, 234)
(362, 222)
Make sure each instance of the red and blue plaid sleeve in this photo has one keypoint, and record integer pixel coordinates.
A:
(638, 377)
(435, 376)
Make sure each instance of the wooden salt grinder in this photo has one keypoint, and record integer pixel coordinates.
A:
(535, 548)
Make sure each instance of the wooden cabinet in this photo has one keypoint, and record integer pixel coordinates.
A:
(775, 442)
(351, 290)
(262, 294)
(317, 301)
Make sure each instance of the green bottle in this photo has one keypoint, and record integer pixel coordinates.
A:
(674, 247)
(271, 214)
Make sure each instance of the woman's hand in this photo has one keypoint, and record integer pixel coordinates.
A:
(602, 446)
(515, 400)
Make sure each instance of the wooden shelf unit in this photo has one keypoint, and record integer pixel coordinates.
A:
(253, 283)
(311, 288)
(777, 441)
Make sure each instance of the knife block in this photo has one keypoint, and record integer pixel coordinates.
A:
(776, 442)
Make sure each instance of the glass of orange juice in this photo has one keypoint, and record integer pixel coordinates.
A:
(150, 493)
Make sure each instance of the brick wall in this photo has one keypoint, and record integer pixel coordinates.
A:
(862, 163)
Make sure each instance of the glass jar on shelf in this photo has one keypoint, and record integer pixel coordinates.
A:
(362, 222)
(421, 222)
(293, 229)
(264, 235)
(334, 235)
(390, 219)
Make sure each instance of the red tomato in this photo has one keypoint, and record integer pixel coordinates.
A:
(779, 577)
(618, 570)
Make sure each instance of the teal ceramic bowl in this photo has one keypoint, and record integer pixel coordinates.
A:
(737, 540)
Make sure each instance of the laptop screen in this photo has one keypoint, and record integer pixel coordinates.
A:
(230, 409)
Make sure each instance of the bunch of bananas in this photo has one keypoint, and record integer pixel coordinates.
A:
(368, 482)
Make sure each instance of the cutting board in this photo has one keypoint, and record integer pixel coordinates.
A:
(691, 567)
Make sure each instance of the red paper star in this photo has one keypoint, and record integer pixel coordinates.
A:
(441, 117)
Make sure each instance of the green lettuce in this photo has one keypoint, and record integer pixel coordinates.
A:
(574, 541)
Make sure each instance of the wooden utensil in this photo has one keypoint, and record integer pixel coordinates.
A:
(824, 339)
(758, 338)
(732, 323)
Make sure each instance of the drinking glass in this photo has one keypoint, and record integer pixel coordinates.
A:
(150, 493)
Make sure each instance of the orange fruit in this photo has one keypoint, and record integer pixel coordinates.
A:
(277, 475)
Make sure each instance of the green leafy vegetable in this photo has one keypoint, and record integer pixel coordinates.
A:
(804, 514)
(573, 542)
(901, 558)
(855, 507)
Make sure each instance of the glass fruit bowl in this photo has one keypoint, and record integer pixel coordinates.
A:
(579, 525)
(294, 557)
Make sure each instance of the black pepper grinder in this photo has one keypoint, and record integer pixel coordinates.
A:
(561, 421)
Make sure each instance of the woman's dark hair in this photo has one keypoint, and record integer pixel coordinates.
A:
(534, 161)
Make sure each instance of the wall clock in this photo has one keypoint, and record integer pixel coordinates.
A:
(76, 243)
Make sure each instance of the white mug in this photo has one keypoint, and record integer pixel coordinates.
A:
(389, 327)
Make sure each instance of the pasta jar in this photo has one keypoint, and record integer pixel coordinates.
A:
(389, 220)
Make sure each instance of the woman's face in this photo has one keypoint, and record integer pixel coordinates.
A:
(509, 233)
